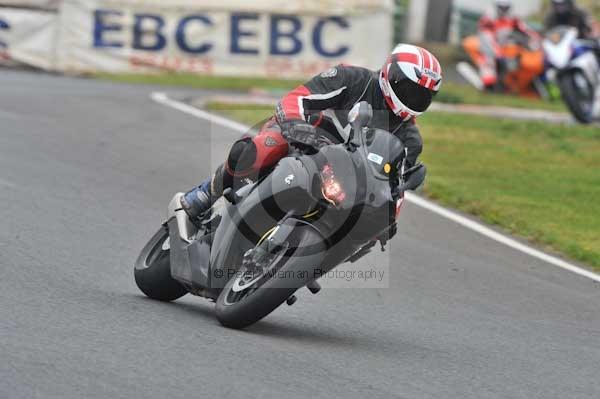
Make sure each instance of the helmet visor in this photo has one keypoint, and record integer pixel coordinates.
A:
(503, 10)
(561, 7)
(412, 95)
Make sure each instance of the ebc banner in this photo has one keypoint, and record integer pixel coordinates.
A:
(27, 37)
(146, 36)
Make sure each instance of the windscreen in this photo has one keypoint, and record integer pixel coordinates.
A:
(384, 153)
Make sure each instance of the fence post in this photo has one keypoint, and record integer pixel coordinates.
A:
(417, 20)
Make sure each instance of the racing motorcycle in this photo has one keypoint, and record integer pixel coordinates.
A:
(319, 207)
(575, 68)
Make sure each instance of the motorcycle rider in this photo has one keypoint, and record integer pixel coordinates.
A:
(492, 32)
(402, 90)
(566, 13)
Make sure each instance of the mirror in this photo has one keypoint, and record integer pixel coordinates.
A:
(361, 114)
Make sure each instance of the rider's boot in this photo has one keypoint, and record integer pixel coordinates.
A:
(198, 201)
(488, 75)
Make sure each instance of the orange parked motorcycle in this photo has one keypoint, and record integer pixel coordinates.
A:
(519, 64)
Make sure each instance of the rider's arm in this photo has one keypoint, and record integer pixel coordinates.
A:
(487, 37)
(411, 138)
(525, 29)
(586, 28)
(487, 24)
(327, 90)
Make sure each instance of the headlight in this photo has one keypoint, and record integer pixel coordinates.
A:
(331, 188)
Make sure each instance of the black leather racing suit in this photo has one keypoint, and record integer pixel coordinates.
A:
(576, 18)
(339, 89)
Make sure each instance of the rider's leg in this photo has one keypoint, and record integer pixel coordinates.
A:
(247, 158)
(479, 49)
(487, 66)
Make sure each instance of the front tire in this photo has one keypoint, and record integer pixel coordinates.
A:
(578, 94)
(153, 270)
(304, 252)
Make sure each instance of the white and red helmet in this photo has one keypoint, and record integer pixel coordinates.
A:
(409, 80)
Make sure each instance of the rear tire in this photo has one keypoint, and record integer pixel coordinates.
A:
(153, 270)
(574, 98)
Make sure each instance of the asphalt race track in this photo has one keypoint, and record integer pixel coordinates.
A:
(86, 171)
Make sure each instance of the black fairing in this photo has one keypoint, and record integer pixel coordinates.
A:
(286, 189)
(389, 147)
(189, 263)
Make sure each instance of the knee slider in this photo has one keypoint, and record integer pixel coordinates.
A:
(241, 156)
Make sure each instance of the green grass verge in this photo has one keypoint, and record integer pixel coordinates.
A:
(455, 93)
(537, 180)
(451, 92)
(202, 81)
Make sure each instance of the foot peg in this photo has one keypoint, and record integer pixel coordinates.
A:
(314, 287)
(291, 300)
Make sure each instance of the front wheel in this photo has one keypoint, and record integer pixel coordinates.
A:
(271, 273)
(153, 269)
(578, 94)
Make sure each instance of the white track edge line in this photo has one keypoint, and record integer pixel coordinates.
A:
(501, 238)
(163, 99)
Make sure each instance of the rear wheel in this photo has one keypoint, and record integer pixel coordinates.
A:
(153, 269)
(578, 94)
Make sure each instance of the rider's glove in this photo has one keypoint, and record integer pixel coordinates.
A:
(413, 177)
(302, 135)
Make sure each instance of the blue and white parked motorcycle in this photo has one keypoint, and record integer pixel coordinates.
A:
(574, 66)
